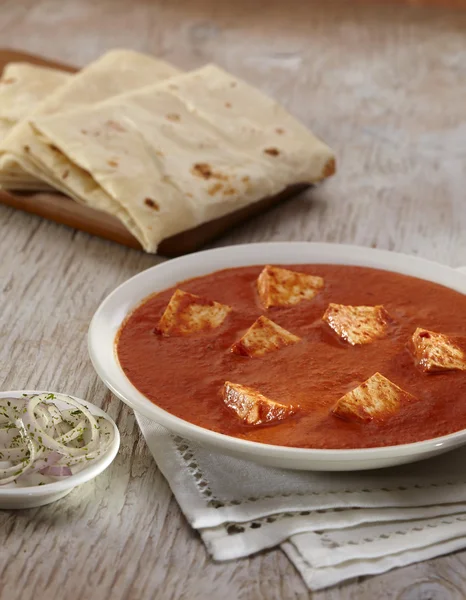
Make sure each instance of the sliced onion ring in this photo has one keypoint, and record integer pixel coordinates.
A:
(38, 439)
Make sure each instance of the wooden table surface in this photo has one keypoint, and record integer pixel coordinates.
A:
(385, 86)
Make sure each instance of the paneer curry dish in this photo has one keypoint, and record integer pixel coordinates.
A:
(308, 356)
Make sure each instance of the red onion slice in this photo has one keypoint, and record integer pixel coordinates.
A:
(56, 471)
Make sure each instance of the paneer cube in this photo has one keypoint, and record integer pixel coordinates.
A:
(186, 314)
(377, 398)
(437, 352)
(357, 324)
(252, 407)
(282, 287)
(262, 337)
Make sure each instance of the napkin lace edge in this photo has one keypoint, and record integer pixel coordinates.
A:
(329, 543)
(186, 453)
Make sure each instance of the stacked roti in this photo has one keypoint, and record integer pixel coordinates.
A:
(22, 87)
(163, 151)
(116, 72)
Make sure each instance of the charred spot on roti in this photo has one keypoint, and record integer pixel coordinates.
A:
(27, 148)
(54, 148)
(115, 125)
(246, 179)
(227, 104)
(216, 187)
(84, 131)
(202, 170)
(330, 168)
(151, 203)
(229, 191)
(173, 117)
(272, 151)
(65, 174)
(205, 171)
(280, 130)
(112, 163)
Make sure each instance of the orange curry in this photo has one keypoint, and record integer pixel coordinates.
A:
(185, 374)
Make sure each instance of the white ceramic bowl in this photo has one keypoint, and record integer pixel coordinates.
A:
(119, 303)
(15, 496)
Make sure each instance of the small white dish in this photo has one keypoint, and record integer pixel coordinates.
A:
(126, 297)
(17, 496)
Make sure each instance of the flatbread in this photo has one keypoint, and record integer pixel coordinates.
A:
(22, 87)
(185, 151)
(115, 72)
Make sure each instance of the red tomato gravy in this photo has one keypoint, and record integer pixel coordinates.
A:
(185, 374)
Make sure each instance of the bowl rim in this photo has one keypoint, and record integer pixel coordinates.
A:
(89, 472)
(359, 255)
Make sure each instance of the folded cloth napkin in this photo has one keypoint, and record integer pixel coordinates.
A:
(332, 526)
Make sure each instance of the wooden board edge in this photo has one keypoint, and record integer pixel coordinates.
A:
(63, 210)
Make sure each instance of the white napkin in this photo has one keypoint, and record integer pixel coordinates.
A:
(332, 526)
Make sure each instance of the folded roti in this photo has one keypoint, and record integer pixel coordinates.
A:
(22, 87)
(171, 156)
(115, 72)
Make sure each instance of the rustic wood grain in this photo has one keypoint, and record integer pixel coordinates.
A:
(385, 87)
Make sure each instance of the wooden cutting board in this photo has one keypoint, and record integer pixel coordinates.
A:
(61, 209)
